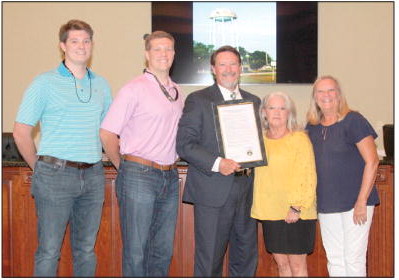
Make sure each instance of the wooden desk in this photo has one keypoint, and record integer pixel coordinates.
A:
(19, 233)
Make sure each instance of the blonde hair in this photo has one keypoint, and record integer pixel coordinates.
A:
(157, 35)
(292, 124)
(314, 114)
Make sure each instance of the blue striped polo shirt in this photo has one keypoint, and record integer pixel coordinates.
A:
(69, 127)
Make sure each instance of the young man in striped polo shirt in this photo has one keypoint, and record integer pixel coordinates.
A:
(70, 102)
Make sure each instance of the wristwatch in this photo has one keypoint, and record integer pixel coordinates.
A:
(296, 211)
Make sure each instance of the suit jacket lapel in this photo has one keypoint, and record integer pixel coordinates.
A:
(215, 94)
(244, 94)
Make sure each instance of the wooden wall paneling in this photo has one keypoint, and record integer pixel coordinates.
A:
(6, 241)
(23, 225)
(19, 238)
(187, 226)
(109, 243)
(380, 253)
(176, 269)
(116, 230)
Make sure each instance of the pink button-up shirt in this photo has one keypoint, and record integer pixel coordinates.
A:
(146, 120)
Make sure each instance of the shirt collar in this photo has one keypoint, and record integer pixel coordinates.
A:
(65, 72)
(226, 92)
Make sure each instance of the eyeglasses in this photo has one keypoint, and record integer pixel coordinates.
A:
(164, 90)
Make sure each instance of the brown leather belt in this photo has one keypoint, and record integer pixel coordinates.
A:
(149, 163)
(63, 162)
(245, 171)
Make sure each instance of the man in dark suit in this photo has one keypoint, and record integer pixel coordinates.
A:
(220, 191)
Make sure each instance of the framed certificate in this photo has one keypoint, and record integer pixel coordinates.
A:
(239, 132)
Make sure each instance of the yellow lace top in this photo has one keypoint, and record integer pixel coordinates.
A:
(288, 179)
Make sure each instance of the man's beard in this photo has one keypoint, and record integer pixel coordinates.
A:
(232, 84)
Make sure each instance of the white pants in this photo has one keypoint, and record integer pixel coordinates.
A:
(345, 243)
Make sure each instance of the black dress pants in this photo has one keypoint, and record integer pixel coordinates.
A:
(216, 227)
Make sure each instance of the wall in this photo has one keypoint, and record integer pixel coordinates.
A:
(355, 45)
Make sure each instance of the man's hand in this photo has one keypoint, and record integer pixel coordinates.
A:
(110, 143)
(26, 146)
(228, 166)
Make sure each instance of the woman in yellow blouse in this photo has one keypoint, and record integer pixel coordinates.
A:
(285, 190)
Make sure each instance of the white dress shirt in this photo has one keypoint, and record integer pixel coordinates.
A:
(227, 96)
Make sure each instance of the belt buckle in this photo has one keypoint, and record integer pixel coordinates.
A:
(60, 163)
(246, 171)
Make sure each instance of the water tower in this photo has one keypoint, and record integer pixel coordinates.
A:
(224, 29)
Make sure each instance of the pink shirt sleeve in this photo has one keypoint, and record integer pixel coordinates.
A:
(121, 109)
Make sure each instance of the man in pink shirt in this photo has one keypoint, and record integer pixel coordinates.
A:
(145, 115)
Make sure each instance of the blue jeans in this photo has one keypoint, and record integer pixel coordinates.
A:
(66, 194)
(148, 201)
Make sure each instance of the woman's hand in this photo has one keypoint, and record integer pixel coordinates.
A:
(360, 213)
(368, 151)
(292, 217)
